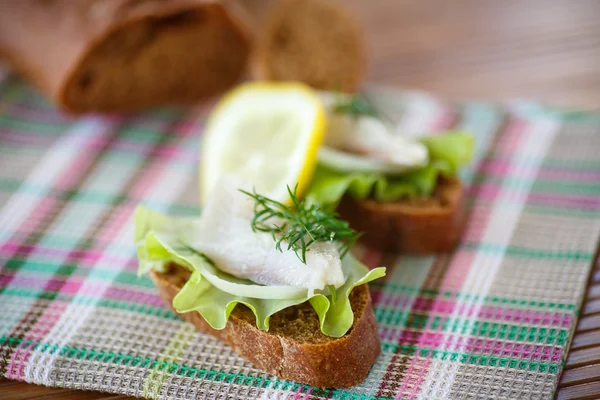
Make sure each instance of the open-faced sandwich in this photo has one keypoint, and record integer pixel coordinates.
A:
(403, 194)
(274, 281)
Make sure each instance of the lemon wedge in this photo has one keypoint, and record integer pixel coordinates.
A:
(267, 135)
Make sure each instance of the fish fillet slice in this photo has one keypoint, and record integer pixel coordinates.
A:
(227, 238)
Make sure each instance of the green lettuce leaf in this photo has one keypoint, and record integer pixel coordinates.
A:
(454, 148)
(214, 294)
(447, 153)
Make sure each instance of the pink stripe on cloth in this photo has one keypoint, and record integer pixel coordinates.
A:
(43, 283)
(148, 179)
(45, 116)
(444, 120)
(503, 168)
(523, 351)
(297, 393)
(443, 308)
(565, 200)
(72, 285)
(26, 138)
(478, 219)
(83, 258)
(165, 152)
(489, 190)
(391, 301)
(486, 346)
(456, 272)
(145, 121)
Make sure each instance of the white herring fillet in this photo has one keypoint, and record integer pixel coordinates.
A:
(369, 136)
(366, 144)
(226, 237)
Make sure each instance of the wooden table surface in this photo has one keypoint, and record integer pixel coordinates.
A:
(536, 49)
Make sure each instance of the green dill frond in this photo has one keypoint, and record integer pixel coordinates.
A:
(300, 224)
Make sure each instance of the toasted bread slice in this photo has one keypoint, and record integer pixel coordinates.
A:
(421, 226)
(294, 347)
(312, 41)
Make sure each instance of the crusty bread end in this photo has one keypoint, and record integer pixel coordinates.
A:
(123, 56)
(421, 226)
(294, 347)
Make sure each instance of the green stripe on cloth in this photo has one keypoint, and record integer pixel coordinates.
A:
(144, 135)
(176, 368)
(467, 296)
(93, 197)
(142, 309)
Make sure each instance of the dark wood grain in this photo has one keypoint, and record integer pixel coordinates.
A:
(592, 307)
(577, 376)
(537, 49)
(595, 291)
(585, 391)
(581, 377)
(588, 323)
(585, 339)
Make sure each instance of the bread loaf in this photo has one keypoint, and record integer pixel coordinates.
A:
(294, 347)
(421, 226)
(125, 55)
(312, 41)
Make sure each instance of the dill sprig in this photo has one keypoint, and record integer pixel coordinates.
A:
(356, 106)
(360, 105)
(302, 224)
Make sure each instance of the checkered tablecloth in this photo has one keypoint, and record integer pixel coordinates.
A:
(492, 320)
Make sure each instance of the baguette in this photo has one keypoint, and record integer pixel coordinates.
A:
(420, 226)
(311, 41)
(125, 55)
(294, 347)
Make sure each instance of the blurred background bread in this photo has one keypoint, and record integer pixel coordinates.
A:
(313, 41)
(130, 55)
(125, 55)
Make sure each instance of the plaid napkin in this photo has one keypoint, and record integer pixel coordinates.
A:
(494, 319)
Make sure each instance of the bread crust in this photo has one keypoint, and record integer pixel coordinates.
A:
(419, 226)
(315, 360)
(58, 44)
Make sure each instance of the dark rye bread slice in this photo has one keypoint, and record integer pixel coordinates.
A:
(421, 226)
(313, 41)
(125, 55)
(294, 347)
